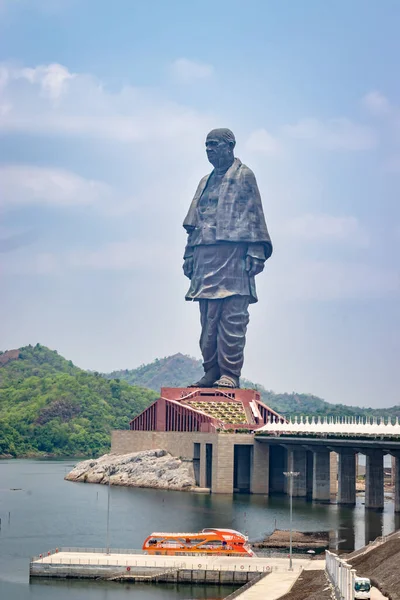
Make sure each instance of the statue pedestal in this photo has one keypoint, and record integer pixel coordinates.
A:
(222, 408)
(206, 410)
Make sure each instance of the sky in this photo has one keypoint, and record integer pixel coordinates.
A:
(104, 110)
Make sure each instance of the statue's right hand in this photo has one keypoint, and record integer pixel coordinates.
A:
(188, 267)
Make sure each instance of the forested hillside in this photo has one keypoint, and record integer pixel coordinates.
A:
(50, 406)
(47, 405)
(177, 370)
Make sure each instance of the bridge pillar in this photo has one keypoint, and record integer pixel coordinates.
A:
(297, 461)
(374, 493)
(321, 491)
(334, 472)
(260, 475)
(277, 465)
(347, 476)
(396, 480)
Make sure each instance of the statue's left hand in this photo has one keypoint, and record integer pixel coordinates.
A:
(254, 266)
(188, 267)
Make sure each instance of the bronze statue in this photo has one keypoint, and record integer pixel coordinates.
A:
(227, 246)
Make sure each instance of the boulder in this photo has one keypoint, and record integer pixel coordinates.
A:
(148, 468)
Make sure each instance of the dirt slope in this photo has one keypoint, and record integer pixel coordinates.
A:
(382, 566)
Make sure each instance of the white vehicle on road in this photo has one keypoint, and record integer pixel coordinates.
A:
(362, 588)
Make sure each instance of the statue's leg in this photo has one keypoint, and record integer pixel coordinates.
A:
(210, 312)
(232, 328)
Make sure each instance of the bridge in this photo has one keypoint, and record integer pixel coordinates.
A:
(307, 444)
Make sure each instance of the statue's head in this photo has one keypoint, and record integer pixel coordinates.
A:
(219, 147)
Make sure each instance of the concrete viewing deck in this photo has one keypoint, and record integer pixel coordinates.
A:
(134, 565)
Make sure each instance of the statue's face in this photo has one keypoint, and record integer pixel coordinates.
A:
(218, 150)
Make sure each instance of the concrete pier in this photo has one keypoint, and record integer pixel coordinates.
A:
(136, 566)
(347, 477)
(277, 465)
(321, 491)
(374, 491)
(202, 465)
(333, 465)
(297, 461)
(396, 478)
(260, 475)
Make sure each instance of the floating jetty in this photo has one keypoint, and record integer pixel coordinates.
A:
(134, 565)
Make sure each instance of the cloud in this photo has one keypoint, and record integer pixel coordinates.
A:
(138, 254)
(12, 240)
(188, 71)
(33, 263)
(127, 255)
(51, 78)
(24, 184)
(331, 281)
(327, 228)
(262, 142)
(377, 104)
(49, 99)
(44, 6)
(334, 134)
(392, 164)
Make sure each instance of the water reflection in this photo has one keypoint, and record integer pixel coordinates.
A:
(373, 525)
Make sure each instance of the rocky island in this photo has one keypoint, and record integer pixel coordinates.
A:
(148, 468)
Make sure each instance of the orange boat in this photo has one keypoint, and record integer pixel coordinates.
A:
(222, 542)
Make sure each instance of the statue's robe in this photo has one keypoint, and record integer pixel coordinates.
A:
(225, 224)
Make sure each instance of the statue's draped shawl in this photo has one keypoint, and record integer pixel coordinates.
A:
(240, 216)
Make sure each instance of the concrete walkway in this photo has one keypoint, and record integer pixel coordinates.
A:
(275, 585)
(271, 587)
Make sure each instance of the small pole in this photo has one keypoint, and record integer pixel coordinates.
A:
(290, 475)
(108, 514)
(291, 519)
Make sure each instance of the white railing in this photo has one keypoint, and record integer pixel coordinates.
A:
(341, 426)
(341, 575)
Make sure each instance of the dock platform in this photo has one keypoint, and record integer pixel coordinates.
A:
(134, 565)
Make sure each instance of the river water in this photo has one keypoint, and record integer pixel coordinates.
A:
(40, 511)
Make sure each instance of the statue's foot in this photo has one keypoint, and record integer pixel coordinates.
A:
(208, 379)
(227, 381)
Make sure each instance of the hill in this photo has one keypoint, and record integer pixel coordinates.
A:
(179, 370)
(48, 405)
